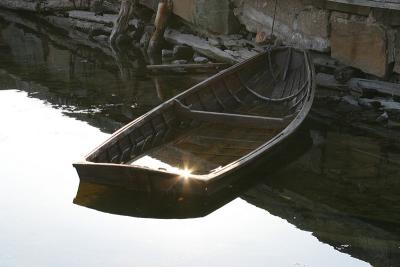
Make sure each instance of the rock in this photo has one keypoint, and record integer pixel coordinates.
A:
(261, 38)
(165, 53)
(383, 118)
(182, 52)
(179, 61)
(359, 43)
(137, 23)
(200, 60)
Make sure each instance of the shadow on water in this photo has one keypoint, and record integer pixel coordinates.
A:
(342, 187)
(345, 190)
(87, 81)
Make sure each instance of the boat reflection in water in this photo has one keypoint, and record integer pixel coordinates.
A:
(122, 201)
(89, 82)
(343, 188)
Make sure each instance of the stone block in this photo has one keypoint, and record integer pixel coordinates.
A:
(313, 22)
(263, 11)
(297, 22)
(213, 16)
(360, 43)
(200, 60)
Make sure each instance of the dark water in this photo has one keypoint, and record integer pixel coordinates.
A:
(335, 202)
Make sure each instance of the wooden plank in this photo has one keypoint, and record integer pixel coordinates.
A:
(359, 86)
(208, 66)
(371, 86)
(388, 4)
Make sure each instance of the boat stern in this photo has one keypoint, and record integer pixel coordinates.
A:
(139, 179)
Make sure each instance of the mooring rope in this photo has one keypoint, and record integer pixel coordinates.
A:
(273, 20)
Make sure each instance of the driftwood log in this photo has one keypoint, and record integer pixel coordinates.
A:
(122, 22)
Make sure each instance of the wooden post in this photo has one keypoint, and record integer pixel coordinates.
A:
(163, 13)
(122, 22)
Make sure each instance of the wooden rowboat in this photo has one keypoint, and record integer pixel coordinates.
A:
(203, 136)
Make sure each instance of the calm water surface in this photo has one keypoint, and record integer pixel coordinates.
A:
(335, 202)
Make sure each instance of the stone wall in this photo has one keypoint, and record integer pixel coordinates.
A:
(360, 43)
(367, 41)
(297, 22)
(364, 37)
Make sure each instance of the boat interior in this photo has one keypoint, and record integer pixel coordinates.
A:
(217, 121)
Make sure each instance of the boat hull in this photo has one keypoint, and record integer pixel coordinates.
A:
(253, 137)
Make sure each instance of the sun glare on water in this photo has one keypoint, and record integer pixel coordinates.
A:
(150, 162)
(185, 173)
